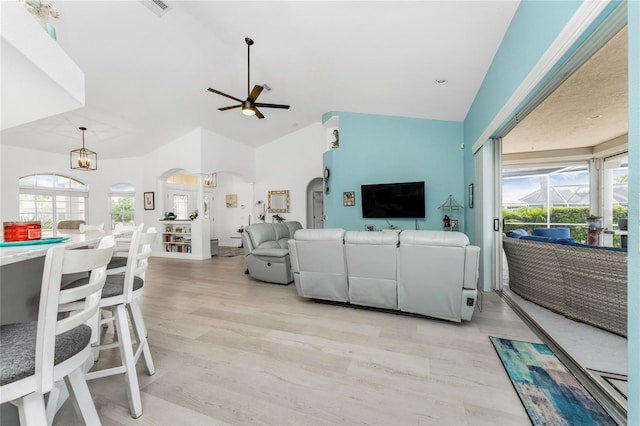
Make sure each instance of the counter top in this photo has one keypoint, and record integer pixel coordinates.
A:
(76, 239)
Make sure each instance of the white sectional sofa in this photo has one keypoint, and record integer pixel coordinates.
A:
(431, 273)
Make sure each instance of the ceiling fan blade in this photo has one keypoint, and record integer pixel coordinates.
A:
(272, 106)
(229, 107)
(258, 113)
(223, 94)
(255, 93)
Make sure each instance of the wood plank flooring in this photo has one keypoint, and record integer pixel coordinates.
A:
(232, 350)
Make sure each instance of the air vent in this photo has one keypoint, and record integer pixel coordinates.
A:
(156, 6)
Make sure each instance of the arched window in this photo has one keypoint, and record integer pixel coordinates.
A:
(122, 204)
(50, 198)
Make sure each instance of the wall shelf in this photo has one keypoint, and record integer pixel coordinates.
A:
(451, 217)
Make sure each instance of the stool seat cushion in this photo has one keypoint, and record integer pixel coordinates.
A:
(117, 262)
(113, 286)
(18, 348)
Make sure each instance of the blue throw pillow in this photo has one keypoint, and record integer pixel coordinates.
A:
(517, 233)
(552, 232)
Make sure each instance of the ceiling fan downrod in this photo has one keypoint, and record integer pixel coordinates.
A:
(249, 43)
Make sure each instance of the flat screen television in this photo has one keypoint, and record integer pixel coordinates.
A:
(393, 200)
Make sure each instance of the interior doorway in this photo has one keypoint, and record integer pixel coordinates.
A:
(315, 200)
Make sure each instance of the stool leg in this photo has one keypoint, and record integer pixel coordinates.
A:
(141, 333)
(126, 353)
(82, 397)
(31, 409)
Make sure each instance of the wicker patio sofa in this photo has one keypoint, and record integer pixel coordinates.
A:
(584, 283)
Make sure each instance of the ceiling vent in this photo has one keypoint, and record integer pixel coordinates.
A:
(156, 6)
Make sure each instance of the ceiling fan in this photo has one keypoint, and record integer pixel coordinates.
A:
(249, 106)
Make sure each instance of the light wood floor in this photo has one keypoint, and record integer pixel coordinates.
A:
(232, 350)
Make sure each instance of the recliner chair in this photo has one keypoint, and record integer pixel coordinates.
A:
(266, 250)
(372, 268)
(318, 264)
(430, 279)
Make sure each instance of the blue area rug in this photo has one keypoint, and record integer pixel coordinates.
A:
(549, 392)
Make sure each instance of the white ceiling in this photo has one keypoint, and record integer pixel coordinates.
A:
(146, 75)
(589, 108)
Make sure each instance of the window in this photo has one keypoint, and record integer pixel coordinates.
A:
(51, 198)
(615, 198)
(181, 206)
(556, 196)
(122, 204)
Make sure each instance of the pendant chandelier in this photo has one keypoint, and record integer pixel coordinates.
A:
(211, 180)
(82, 158)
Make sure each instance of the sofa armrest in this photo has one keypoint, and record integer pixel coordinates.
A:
(471, 267)
(246, 244)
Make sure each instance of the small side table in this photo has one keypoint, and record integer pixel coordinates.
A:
(623, 236)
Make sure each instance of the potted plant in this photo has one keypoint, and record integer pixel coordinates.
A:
(594, 221)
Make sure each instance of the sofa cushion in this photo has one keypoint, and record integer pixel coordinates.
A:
(548, 239)
(552, 232)
(270, 252)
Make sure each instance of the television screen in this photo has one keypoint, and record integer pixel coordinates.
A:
(393, 200)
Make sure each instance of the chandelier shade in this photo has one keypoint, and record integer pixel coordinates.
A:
(82, 158)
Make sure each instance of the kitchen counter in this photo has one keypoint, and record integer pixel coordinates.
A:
(9, 255)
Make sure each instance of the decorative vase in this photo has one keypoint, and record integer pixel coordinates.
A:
(594, 223)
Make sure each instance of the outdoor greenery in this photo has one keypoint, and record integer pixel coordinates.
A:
(122, 209)
(567, 217)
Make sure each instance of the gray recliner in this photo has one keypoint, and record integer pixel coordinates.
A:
(437, 274)
(266, 250)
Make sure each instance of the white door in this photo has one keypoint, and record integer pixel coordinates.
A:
(487, 201)
(318, 218)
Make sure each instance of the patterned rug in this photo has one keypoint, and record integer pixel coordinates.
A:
(551, 395)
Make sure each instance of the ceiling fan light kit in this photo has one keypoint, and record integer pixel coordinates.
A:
(249, 106)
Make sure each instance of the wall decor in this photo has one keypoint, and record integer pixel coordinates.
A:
(278, 201)
(369, 228)
(231, 200)
(470, 195)
(149, 201)
(349, 198)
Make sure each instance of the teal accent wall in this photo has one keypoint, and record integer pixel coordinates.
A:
(535, 25)
(384, 149)
(633, 416)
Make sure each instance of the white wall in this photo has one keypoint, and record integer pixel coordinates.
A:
(227, 220)
(290, 162)
(221, 154)
(17, 162)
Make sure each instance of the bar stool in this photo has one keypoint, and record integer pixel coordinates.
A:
(85, 228)
(34, 355)
(123, 241)
(119, 295)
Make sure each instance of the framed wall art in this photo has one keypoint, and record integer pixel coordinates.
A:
(349, 198)
(149, 201)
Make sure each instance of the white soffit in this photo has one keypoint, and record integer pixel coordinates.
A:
(38, 78)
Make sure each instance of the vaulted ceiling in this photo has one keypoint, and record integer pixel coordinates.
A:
(146, 75)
